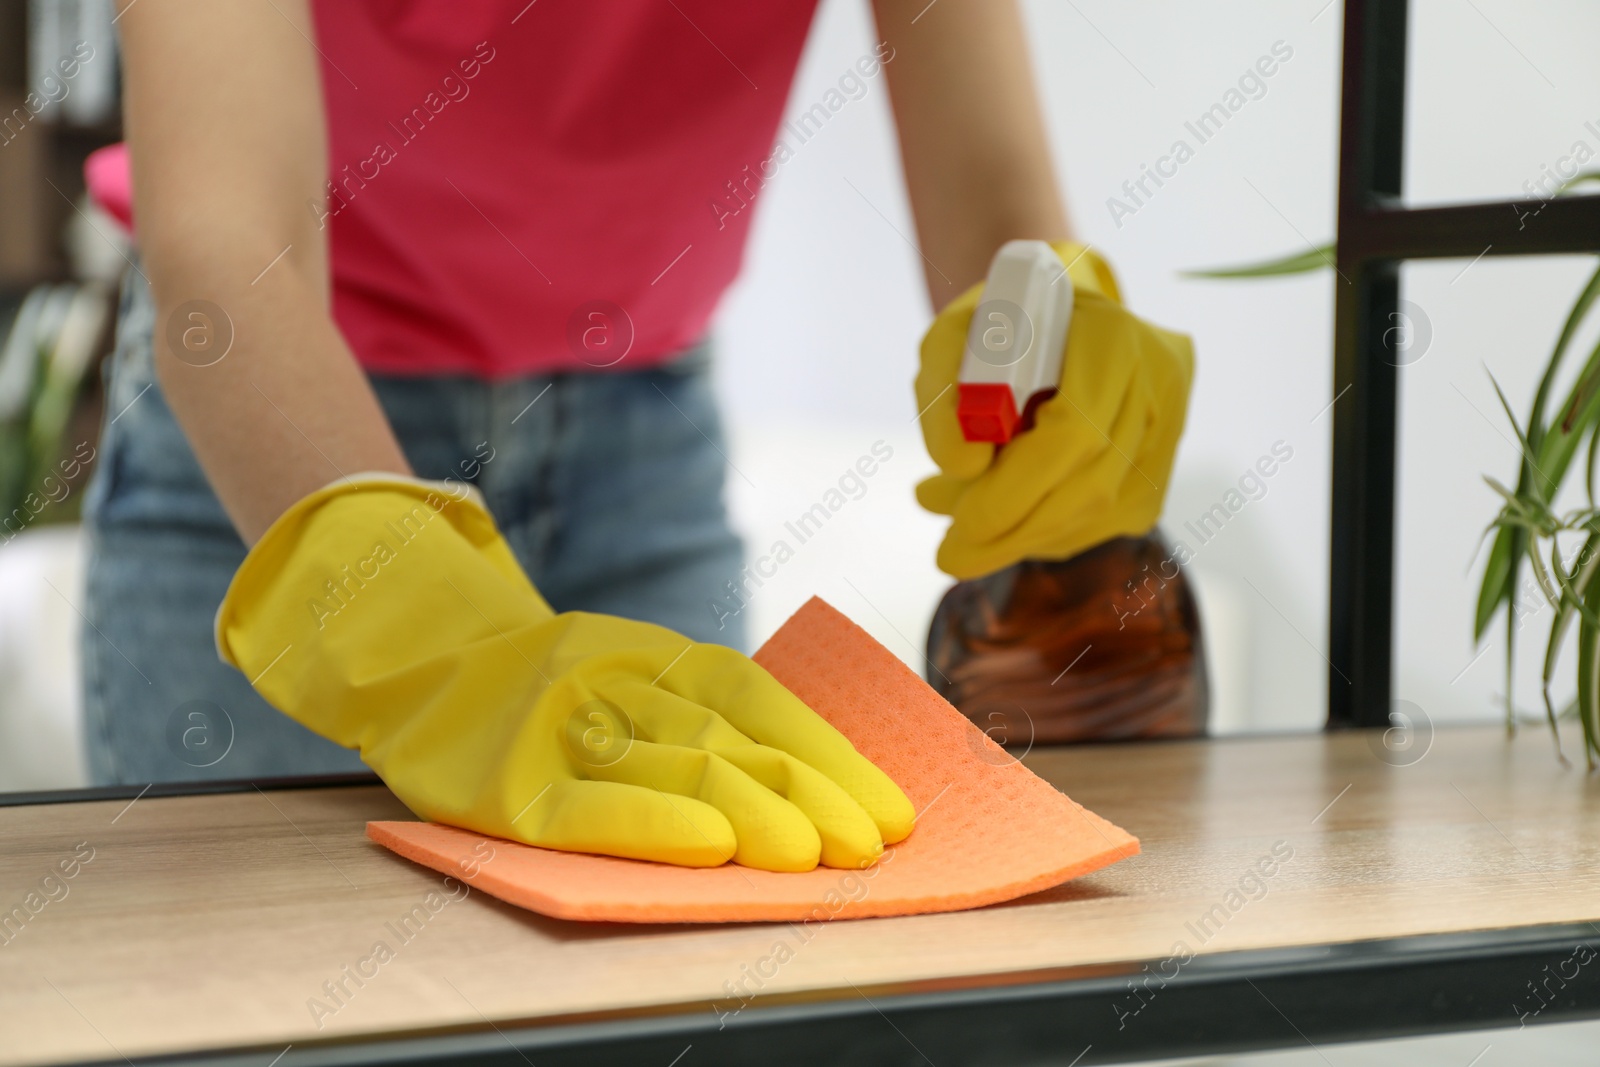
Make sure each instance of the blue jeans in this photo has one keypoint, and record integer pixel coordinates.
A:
(608, 487)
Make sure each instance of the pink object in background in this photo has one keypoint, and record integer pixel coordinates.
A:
(110, 185)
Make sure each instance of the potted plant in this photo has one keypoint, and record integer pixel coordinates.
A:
(1561, 550)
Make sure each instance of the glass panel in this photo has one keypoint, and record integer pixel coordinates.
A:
(1504, 98)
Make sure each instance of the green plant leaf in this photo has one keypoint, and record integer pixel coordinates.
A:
(1588, 467)
(1584, 568)
(64, 363)
(1577, 415)
(1511, 417)
(1579, 584)
(1498, 578)
(1542, 577)
(1576, 180)
(1299, 263)
(1572, 583)
(1588, 677)
(1575, 317)
(1500, 574)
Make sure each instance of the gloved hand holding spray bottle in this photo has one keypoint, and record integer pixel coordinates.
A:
(1054, 416)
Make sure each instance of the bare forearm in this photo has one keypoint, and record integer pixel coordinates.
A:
(286, 410)
(972, 137)
(224, 120)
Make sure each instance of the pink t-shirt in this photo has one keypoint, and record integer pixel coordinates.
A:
(522, 187)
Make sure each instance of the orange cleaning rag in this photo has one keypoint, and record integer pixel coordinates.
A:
(988, 829)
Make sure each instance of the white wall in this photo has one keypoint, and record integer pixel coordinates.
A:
(819, 337)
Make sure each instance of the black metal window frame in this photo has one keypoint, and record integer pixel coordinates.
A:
(1376, 233)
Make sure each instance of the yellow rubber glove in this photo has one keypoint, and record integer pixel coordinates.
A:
(391, 617)
(1096, 462)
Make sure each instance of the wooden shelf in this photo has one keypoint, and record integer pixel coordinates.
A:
(212, 922)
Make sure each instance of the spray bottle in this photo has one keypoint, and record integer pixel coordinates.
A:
(1103, 646)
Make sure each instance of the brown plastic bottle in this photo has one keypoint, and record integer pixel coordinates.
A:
(1104, 646)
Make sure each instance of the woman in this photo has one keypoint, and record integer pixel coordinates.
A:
(479, 245)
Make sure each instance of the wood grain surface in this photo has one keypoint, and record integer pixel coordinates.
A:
(233, 920)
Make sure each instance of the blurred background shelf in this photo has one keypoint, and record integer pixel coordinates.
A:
(60, 259)
(49, 123)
